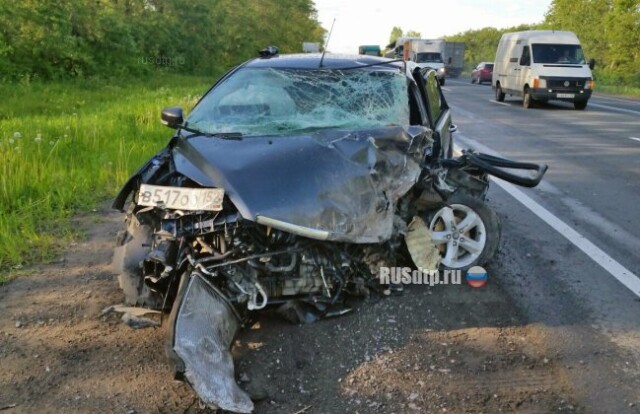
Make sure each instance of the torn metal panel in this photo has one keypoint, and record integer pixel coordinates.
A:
(204, 331)
(421, 247)
(342, 182)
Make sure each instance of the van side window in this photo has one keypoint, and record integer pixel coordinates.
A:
(525, 59)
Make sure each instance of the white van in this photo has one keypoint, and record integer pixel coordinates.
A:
(542, 65)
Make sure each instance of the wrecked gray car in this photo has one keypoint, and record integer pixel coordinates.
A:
(290, 183)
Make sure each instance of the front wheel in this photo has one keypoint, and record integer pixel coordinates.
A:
(499, 93)
(466, 232)
(442, 82)
(527, 100)
(133, 244)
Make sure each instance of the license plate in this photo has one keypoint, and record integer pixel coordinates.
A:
(566, 95)
(179, 198)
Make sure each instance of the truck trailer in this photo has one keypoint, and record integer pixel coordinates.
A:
(453, 55)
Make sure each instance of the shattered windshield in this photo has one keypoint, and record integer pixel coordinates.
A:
(259, 101)
(562, 54)
(428, 57)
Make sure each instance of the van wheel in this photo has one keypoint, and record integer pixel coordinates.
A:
(442, 82)
(499, 93)
(580, 105)
(527, 100)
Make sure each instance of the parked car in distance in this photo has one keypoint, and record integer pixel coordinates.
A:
(482, 73)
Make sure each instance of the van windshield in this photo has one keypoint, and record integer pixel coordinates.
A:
(425, 57)
(559, 54)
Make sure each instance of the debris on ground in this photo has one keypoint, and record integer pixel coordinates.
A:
(138, 322)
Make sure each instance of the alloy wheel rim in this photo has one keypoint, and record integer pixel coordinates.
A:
(460, 235)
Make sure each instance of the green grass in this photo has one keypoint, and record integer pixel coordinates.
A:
(620, 90)
(64, 147)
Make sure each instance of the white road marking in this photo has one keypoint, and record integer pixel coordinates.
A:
(635, 139)
(621, 273)
(499, 103)
(613, 108)
(445, 89)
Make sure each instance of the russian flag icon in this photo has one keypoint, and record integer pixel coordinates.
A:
(476, 277)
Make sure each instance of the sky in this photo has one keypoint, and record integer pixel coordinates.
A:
(369, 22)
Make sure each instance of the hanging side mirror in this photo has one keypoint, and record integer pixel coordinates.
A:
(172, 116)
(592, 63)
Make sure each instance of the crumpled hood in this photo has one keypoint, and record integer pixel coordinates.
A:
(344, 184)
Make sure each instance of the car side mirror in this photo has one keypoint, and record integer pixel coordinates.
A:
(592, 63)
(172, 117)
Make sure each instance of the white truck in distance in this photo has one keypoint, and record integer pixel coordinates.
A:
(427, 54)
(542, 65)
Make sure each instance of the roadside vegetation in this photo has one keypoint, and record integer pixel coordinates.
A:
(609, 31)
(46, 39)
(82, 85)
(65, 146)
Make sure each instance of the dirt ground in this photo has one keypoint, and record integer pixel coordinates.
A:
(441, 349)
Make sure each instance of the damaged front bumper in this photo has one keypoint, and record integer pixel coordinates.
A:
(204, 327)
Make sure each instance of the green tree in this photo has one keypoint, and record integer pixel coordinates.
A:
(413, 33)
(66, 38)
(609, 31)
(396, 33)
(623, 35)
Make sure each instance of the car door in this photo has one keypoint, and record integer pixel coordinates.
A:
(523, 68)
(438, 112)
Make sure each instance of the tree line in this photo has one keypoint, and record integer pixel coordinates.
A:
(609, 31)
(50, 39)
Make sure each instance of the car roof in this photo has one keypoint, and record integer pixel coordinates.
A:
(330, 61)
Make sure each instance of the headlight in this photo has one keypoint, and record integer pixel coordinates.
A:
(590, 84)
(441, 70)
(539, 83)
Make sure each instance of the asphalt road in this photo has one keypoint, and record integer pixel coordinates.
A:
(566, 263)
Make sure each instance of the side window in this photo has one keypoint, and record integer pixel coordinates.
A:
(525, 58)
(433, 97)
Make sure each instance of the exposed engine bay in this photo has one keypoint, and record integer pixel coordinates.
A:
(218, 267)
